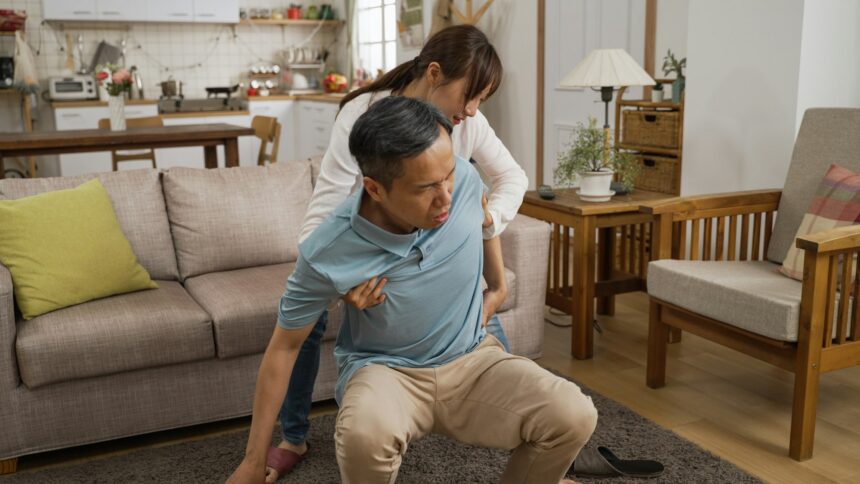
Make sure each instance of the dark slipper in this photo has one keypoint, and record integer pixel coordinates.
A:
(283, 461)
(601, 462)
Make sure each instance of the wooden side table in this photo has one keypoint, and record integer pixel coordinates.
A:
(607, 254)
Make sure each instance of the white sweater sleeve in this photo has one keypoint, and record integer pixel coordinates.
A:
(509, 180)
(339, 172)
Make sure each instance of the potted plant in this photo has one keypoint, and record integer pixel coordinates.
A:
(117, 81)
(657, 92)
(671, 65)
(595, 162)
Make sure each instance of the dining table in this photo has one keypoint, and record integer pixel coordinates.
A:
(208, 136)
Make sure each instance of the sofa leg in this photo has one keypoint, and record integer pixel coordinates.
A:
(8, 466)
(658, 340)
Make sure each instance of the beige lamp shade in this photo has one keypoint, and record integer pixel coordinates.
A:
(607, 67)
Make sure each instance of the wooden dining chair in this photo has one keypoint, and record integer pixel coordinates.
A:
(268, 130)
(126, 155)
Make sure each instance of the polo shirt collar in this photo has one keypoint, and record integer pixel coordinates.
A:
(398, 244)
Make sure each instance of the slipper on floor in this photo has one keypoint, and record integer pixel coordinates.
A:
(282, 460)
(601, 462)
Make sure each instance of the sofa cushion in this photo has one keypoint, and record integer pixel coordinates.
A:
(66, 247)
(243, 304)
(750, 295)
(120, 333)
(232, 218)
(139, 206)
(821, 141)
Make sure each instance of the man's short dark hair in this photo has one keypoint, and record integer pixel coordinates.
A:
(393, 129)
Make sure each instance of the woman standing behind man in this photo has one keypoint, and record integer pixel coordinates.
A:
(456, 70)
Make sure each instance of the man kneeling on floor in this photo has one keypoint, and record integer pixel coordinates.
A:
(421, 362)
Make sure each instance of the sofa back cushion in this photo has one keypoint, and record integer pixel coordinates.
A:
(231, 218)
(827, 136)
(139, 206)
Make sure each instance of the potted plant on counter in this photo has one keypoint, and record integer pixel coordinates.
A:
(591, 159)
(657, 92)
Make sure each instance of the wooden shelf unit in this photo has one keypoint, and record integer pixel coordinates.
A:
(656, 159)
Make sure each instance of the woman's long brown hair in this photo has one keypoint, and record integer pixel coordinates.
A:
(461, 51)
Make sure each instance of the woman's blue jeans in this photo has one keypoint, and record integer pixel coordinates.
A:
(297, 403)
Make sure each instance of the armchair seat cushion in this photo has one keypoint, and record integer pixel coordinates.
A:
(131, 331)
(750, 295)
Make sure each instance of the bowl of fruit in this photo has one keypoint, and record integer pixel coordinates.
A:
(334, 82)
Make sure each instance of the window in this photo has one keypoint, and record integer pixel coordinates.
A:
(377, 34)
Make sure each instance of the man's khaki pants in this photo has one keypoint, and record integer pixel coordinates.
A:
(487, 397)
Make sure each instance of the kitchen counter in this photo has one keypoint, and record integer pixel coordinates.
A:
(93, 103)
(201, 114)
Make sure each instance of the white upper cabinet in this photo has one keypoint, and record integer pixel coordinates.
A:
(120, 10)
(202, 11)
(216, 11)
(171, 10)
(69, 10)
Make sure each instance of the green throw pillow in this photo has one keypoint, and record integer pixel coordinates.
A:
(65, 248)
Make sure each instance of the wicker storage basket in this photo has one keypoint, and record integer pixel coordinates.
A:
(657, 173)
(650, 128)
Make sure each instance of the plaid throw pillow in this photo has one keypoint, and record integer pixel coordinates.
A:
(836, 204)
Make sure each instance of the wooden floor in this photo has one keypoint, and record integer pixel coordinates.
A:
(728, 403)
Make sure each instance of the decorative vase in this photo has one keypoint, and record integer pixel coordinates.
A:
(677, 89)
(594, 186)
(116, 104)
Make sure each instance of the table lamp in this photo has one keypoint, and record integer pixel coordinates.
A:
(603, 70)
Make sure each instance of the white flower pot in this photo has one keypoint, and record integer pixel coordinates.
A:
(594, 186)
(656, 96)
(116, 104)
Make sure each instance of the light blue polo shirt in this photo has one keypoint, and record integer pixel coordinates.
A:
(432, 311)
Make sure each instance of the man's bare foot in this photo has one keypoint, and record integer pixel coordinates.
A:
(271, 474)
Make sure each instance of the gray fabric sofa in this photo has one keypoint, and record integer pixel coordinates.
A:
(220, 244)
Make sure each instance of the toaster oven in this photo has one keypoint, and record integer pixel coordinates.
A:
(71, 88)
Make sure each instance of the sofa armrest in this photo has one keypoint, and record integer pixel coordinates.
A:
(8, 361)
(835, 240)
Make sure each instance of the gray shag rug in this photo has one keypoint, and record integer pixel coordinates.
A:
(433, 459)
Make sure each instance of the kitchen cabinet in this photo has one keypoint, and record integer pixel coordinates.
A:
(284, 111)
(216, 11)
(69, 10)
(315, 121)
(170, 10)
(203, 11)
(119, 10)
(66, 119)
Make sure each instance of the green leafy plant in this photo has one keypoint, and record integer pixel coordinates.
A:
(586, 153)
(673, 65)
(658, 86)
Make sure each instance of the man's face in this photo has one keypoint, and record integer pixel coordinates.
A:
(421, 198)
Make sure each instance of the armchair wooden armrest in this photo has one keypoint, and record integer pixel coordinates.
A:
(834, 240)
(724, 226)
(690, 205)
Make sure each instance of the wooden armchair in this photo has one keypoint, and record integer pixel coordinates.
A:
(719, 276)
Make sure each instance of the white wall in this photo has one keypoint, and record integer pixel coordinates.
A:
(743, 61)
(671, 31)
(829, 56)
(511, 26)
